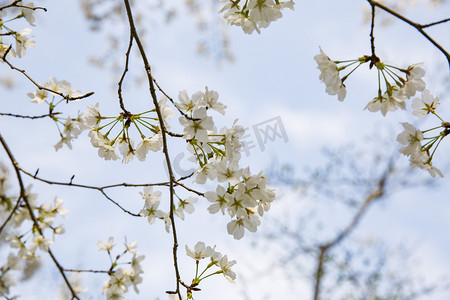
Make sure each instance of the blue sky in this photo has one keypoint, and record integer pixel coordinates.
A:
(274, 75)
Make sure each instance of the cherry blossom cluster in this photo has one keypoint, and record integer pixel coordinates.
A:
(116, 133)
(121, 279)
(421, 155)
(25, 237)
(51, 95)
(10, 36)
(151, 211)
(399, 85)
(216, 259)
(106, 133)
(245, 196)
(252, 15)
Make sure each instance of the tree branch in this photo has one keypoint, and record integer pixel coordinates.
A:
(417, 26)
(135, 35)
(30, 117)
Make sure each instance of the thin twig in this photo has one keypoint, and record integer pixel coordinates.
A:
(419, 27)
(86, 271)
(119, 91)
(189, 189)
(173, 102)
(435, 23)
(15, 4)
(30, 117)
(10, 5)
(70, 183)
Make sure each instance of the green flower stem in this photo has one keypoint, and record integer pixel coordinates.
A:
(430, 143)
(137, 127)
(397, 68)
(145, 112)
(218, 272)
(117, 136)
(441, 137)
(147, 125)
(196, 269)
(434, 113)
(352, 63)
(379, 85)
(424, 131)
(345, 77)
(391, 74)
(109, 131)
(115, 120)
(388, 85)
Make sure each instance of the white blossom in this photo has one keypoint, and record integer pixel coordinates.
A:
(39, 96)
(427, 104)
(106, 246)
(329, 75)
(220, 199)
(388, 102)
(199, 252)
(154, 144)
(23, 42)
(210, 100)
(198, 126)
(414, 80)
(411, 138)
(28, 13)
(226, 265)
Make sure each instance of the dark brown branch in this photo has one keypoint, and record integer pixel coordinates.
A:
(174, 134)
(189, 189)
(418, 27)
(30, 117)
(86, 271)
(15, 4)
(119, 91)
(32, 8)
(171, 100)
(435, 23)
(12, 4)
(135, 35)
(100, 189)
(374, 58)
(24, 196)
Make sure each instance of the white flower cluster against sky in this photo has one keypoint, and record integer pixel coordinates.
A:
(274, 77)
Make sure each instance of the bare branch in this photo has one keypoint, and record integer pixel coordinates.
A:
(30, 117)
(119, 91)
(100, 189)
(419, 27)
(435, 23)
